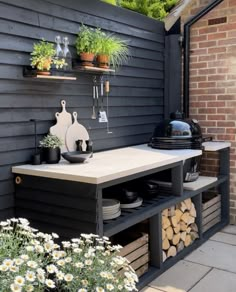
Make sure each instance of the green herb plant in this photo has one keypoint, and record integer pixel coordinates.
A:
(85, 41)
(44, 55)
(50, 141)
(116, 49)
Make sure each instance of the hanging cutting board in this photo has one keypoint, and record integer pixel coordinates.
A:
(64, 121)
(76, 132)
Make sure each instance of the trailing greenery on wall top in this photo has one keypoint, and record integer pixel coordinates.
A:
(157, 9)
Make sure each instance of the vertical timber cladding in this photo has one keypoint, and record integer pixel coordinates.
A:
(136, 97)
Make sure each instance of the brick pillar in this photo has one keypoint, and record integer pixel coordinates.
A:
(213, 80)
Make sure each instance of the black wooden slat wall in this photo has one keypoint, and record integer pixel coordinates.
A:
(137, 89)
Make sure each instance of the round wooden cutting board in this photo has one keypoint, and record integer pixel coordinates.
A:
(76, 132)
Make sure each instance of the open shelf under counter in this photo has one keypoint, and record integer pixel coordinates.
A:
(204, 183)
(132, 216)
(201, 184)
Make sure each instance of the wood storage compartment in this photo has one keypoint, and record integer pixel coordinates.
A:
(211, 210)
(179, 228)
(135, 248)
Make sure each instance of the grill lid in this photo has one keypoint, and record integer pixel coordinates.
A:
(177, 133)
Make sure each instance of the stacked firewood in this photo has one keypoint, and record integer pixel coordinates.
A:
(179, 229)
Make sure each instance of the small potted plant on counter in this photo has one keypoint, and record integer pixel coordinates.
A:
(51, 148)
(86, 45)
(111, 51)
(44, 56)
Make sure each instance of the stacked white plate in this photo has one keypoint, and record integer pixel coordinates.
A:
(110, 209)
(135, 204)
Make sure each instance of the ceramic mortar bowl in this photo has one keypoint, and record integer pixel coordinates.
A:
(77, 156)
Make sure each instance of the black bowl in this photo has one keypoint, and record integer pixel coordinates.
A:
(149, 189)
(77, 156)
(128, 196)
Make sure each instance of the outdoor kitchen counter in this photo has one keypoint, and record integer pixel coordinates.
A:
(215, 146)
(109, 165)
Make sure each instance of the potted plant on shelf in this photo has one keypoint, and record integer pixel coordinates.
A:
(44, 56)
(51, 148)
(111, 50)
(86, 45)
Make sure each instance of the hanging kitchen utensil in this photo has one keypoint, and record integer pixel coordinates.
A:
(64, 121)
(94, 116)
(102, 113)
(76, 132)
(107, 90)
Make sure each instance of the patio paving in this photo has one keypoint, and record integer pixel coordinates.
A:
(210, 268)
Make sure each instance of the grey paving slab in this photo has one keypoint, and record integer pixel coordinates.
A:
(216, 281)
(229, 229)
(180, 278)
(224, 238)
(215, 254)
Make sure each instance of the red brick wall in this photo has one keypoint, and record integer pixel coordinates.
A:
(213, 79)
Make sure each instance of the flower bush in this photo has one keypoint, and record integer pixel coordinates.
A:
(32, 261)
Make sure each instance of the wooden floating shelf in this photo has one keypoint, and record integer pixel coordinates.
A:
(29, 72)
(55, 77)
(94, 69)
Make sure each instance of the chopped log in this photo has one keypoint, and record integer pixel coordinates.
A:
(183, 235)
(171, 211)
(191, 220)
(194, 227)
(165, 244)
(163, 234)
(188, 230)
(174, 221)
(180, 246)
(185, 217)
(194, 235)
(165, 222)
(169, 232)
(176, 239)
(171, 251)
(183, 226)
(188, 203)
(181, 206)
(165, 213)
(193, 211)
(164, 257)
(178, 214)
(177, 229)
(188, 240)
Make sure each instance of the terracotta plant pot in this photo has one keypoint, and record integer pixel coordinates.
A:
(87, 59)
(103, 61)
(46, 64)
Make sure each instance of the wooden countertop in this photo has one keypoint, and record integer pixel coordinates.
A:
(109, 165)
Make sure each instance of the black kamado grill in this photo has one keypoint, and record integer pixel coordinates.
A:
(178, 133)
